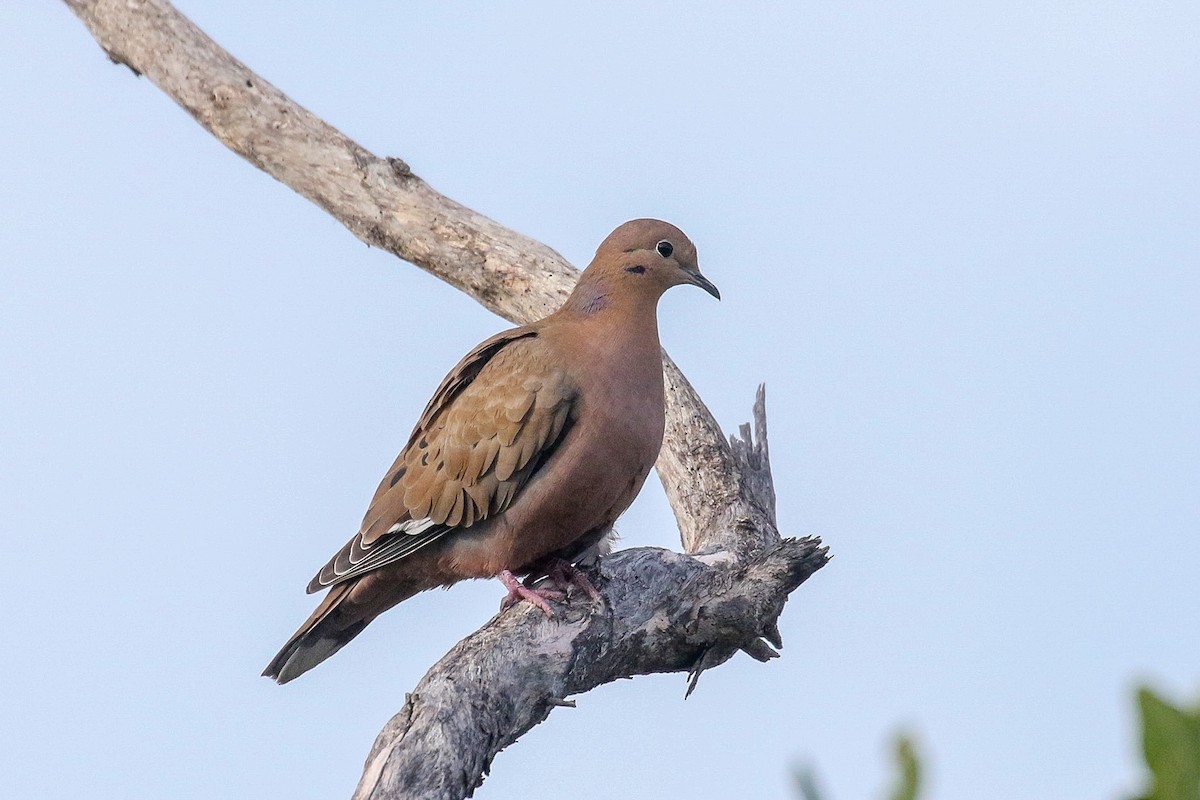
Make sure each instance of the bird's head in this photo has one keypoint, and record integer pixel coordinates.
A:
(644, 258)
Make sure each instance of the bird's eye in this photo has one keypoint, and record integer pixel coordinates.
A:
(664, 248)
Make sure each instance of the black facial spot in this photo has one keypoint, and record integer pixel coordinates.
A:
(664, 248)
(638, 270)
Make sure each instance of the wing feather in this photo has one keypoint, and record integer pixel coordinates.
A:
(493, 422)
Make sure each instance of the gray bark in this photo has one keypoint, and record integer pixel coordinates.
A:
(661, 611)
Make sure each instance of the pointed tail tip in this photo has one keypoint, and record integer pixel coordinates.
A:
(276, 669)
(308, 650)
(273, 675)
(285, 673)
(296, 659)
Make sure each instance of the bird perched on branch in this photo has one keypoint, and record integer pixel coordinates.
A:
(530, 449)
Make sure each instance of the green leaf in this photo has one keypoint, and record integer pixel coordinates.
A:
(1171, 746)
(908, 782)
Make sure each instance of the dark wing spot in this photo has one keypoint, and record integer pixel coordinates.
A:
(397, 475)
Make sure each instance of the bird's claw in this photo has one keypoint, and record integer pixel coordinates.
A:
(517, 592)
(564, 575)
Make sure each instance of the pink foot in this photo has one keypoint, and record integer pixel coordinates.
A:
(517, 592)
(564, 575)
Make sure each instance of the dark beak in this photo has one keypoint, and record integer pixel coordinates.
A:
(704, 283)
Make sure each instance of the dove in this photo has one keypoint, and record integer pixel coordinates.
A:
(525, 456)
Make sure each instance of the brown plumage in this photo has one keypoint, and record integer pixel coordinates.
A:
(527, 453)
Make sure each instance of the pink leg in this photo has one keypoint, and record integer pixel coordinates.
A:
(518, 592)
(564, 574)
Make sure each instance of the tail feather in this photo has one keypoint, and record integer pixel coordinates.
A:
(325, 632)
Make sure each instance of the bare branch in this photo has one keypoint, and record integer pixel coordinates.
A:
(515, 670)
(662, 611)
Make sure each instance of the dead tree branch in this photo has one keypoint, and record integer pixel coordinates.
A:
(663, 611)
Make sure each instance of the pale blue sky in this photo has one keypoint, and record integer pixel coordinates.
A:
(960, 242)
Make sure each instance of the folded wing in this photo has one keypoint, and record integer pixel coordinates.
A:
(491, 425)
